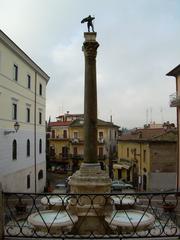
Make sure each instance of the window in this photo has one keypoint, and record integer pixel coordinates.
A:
(135, 153)
(14, 150)
(75, 151)
(100, 153)
(28, 148)
(40, 174)
(127, 152)
(14, 111)
(64, 133)
(75, 135)
(40, 146)
(144, 155)
(53, 133)
(40, 89)
(115, 134)
(29, 81)
(28, 181)
(15, 72)
(28, 114)
(40, 117)
(100, 135)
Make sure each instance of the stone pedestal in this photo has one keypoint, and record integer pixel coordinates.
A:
(92, 208)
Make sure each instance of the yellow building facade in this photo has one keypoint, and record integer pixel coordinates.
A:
(67, 140)
(133, 161)
(145, 154)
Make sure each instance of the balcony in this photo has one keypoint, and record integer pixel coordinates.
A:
(59, 138)
(77, 156)
(174, 100)
(64, 156)
(122, 222)
(101, 140)
(76, 141)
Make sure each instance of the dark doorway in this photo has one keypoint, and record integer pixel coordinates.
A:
(144, 182)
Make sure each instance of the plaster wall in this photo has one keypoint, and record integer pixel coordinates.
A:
(18, 180)
(13, 172)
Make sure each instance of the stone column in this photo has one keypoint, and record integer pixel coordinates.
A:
(90, 98)
(90, 179)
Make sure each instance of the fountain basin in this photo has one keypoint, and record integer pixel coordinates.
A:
(52, 221)
(124, 200)
(55, 202)
(130, 220)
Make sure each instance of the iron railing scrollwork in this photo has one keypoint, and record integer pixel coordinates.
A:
(116, 215)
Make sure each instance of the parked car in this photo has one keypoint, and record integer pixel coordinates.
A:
(119, 185)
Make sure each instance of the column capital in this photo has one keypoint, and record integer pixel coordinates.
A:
(90, 49)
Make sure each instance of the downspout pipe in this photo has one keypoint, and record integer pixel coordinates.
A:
(35, 132)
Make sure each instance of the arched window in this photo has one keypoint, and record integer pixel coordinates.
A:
(40, 146)
(28, 181)
(40, 174)
(28, 148)
(14, 150)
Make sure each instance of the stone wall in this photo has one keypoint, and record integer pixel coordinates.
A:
(162, 181)
(163, 157)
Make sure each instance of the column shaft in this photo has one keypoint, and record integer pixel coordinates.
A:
(90, 99)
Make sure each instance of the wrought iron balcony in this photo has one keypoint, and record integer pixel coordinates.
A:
(133, 215)
(101, 140)
(174, 100)
(77, 156)
(77, 141)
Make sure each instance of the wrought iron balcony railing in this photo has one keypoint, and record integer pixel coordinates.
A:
(77, 156)
(121, 216)
(174, 100)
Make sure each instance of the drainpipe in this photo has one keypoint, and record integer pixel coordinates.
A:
(177, 167)
(35, 130)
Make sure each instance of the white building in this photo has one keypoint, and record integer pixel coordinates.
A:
(175, 102)
(22, 101)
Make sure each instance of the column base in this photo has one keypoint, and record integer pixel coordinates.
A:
(90, 209)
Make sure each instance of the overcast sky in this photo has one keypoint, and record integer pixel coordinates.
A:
(139, 43)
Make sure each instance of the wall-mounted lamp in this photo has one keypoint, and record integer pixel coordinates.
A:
(16, 128)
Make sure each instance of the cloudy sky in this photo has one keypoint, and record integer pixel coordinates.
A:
(139, 43)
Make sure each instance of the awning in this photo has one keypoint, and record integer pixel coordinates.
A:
(120, 166)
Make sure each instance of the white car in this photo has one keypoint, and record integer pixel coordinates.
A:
(119, 185)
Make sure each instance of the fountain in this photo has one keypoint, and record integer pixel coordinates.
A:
(91, 212)
(130, 220)
(124, 201)
(52, 221)
(55, 202)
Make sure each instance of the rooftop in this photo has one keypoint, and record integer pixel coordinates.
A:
(150, 134)
(174, 72)
(11, 45)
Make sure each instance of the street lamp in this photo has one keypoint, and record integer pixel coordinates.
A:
(16, 128)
